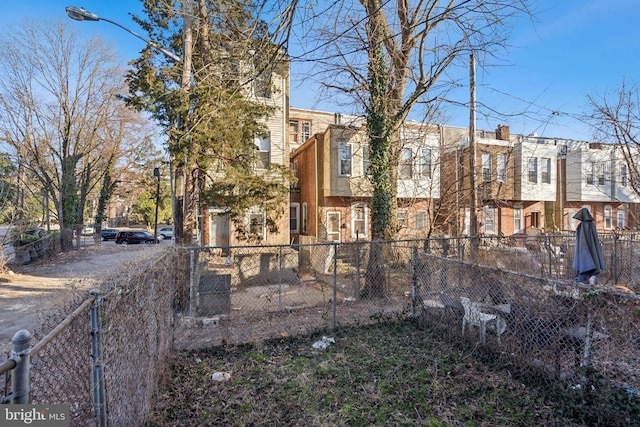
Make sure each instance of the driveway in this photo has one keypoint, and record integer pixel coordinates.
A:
(29, 292)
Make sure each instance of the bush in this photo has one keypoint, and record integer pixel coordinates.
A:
(25, 237)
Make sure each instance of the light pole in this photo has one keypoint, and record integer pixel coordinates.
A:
(156, 174)
(81, 14)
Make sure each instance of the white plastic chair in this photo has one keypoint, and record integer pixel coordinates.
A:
(474, 317)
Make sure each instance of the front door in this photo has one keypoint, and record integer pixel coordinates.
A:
(333, 226)
(219, 230)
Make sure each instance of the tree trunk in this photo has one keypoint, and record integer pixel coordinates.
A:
(379, 143)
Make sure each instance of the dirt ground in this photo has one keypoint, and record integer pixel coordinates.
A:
(28, 291)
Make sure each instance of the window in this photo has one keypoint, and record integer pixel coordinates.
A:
(486, 167)
(502, 168)
(535, 219)
(366, 160)
(294, 137)
(421, 220)
(305, 132)
(533, 170)
(263, 145)
(467, 221)
(402, 218)
(358, 220)
(256, 224)
(304, 217)
(405, 171)
(333, 226)
(545, 177)
(424, 163)
(489, 220)
(591, 173)
(571, 221)
(608, 218)
(344, 159)
(623, 175)
(299, 131)
(262, 83)
(294, 218)
(601, 170)
(517, 220)
(621, 219)
(294, 168)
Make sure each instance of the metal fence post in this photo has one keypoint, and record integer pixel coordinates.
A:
(335, 283)
(21, 393)
(414, 286)
(280, 277)
(615, 257)
(99, 391)
(358, 273)
(192, 287)
(550, 255)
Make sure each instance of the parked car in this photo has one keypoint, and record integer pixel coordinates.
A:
(89, 230)
(135, 237)
(109, 234)
(166, 232)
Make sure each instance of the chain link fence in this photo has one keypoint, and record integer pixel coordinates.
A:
(248, 294)
(549, 256)
(105, 358)
(513, 300)
(557, 333)
(514, 297)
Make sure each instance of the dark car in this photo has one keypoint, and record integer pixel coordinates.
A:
(109, 234)
(135, 237)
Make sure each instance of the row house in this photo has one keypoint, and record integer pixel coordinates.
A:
(596, 176)
(332, 198)
(272, 89)
(523, 185)
(514, 178)
(305, 123)
(530, 185)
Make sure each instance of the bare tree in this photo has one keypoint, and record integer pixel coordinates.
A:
(615, 118)
(61, 114)
(393, 56)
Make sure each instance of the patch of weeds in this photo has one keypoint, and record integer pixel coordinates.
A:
(394, 372)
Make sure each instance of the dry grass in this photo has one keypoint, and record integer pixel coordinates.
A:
(390, 373)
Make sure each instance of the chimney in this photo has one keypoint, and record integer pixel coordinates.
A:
(502, 133)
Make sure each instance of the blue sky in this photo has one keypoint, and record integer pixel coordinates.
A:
(570, 50)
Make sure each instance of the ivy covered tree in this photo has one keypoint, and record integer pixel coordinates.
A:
(393, 59)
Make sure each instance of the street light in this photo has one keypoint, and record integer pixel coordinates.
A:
(81, 14)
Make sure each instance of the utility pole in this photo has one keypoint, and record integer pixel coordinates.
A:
(181, 202)
(473, 218)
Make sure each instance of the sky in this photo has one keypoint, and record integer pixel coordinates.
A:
(568, 51)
